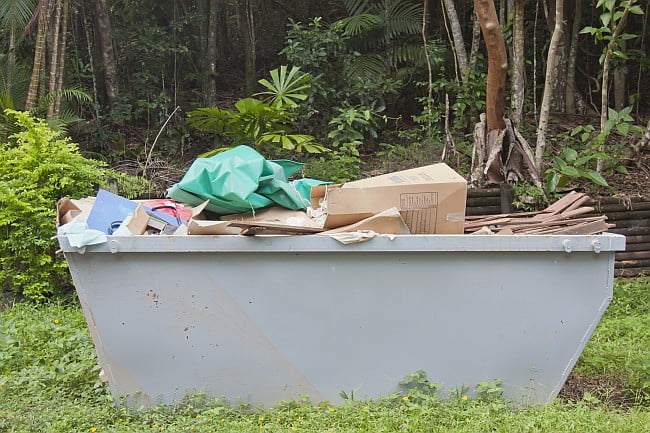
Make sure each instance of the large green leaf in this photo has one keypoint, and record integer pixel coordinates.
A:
(595, 177)
(209, 119)
(286, 87)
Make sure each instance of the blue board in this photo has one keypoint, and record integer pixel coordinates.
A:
(110, 209)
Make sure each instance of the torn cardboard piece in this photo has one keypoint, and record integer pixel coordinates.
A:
(134, 224)
(389, 221)
(431, 199)
(68, 209)
(198, 225)
(347, 238)
(278, 220)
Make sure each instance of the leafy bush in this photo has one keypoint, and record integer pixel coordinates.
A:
(263, 124)
(39, 167)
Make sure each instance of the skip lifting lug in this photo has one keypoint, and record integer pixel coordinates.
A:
(597, 246)
(113, 246)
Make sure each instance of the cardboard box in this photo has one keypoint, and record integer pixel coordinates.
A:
(431, 199)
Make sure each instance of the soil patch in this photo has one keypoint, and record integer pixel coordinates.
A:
(607, 389)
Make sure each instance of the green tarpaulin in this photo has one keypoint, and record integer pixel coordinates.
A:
(240, 180)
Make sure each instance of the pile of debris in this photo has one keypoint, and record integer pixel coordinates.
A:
(560, 218)
(238, 192)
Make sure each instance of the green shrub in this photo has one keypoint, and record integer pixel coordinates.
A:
(38, 167)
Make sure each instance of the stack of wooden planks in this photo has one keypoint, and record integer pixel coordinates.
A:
(561, 217)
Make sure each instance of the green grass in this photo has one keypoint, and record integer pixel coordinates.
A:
(620, 347)
(49, 383)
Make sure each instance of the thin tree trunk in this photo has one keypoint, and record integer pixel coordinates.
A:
(604, 96)
(573, 56)
(54, 56)
(39, 49)
(457, 36)
(247, 26)
(425, 10)
(61, 67)
(620, 81)
(496, 81)
(91, 61)
(108, 58)
(640, 73)
(502, 13)
(551, 65)
(476, 41)
(518, 63)
(223, 47)
(11, 59)
(211, 53)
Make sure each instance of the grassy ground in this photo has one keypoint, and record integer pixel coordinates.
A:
(49, 383)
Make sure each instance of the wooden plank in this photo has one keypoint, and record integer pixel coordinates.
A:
(625, 264)
(252, 227)
(632, 231)
(576, 204)
(564, 202)
(589, 228)
(645, 246)
(483, 201)
(637, 239)
(619, 207)
(484, 192)
(485, 210)
(641, 214)
(635, 255)
(632, 272)
(633, 223)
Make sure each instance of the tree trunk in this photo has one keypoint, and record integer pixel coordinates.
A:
(551, 72)
(11, 59)
(425, 10)
(457, 36)
(476, 41)
(61, 66)
(518, 63)
(39, 50)
(211, 53)
(496, 81)
(558, 98)
(223, 47)
(54, 56)
(247, 26)
(604, 95)
(105, 33)
(620, 81)
(573, 56)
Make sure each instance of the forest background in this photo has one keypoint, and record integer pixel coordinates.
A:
(119, 77)
(544, 95)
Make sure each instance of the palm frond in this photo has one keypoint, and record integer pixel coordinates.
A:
(356, 25)
(400, 17)
(16, 14)
(404, 53)
(356, 7)
(366, 66)
(20, 76)
(61, 123)
(70, 94)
